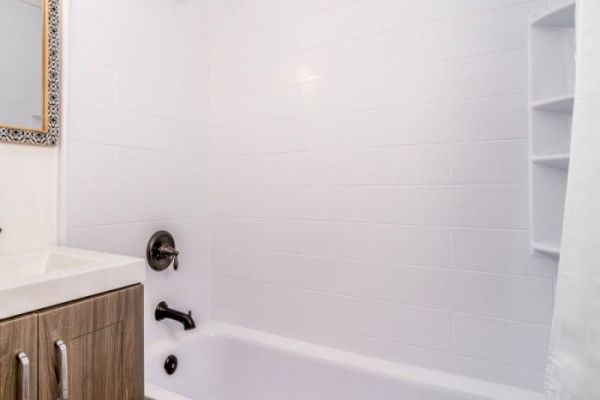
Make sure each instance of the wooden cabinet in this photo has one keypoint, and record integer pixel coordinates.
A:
(101, 357)
(18, 336)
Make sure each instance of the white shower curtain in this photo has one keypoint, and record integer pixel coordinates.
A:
(574, 364)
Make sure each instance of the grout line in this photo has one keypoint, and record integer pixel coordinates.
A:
(432, 21)
(275, 23)
(142, 185)
(387, 263)
(414, 185)
(138, 222)
(357, 222)
(141, 38)
(374, 147)
(367, 109)
(208, 187)
(488, 228)
(117, 106)
(141, 149)
(452, 324)
(342, 77)
(337, 331)
(141, 112)
(383, 301)
(162, 286)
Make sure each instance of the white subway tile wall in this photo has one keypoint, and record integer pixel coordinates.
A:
(137, 142)
(368, 166)
(369, 179)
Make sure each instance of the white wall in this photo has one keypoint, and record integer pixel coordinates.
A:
(369, 163)
(137, 146)
(28, 182)
(28, 197)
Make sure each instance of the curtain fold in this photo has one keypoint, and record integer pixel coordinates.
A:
(573, 371)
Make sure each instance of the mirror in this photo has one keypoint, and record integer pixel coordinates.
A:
(29, 71)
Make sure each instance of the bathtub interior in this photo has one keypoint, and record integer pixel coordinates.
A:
(232, 363)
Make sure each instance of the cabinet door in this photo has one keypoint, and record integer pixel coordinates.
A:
(104, 344)
(18, 336)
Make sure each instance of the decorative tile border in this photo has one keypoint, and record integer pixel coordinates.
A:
(24, 136)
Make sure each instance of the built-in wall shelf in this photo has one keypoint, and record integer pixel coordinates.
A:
(546, 248)
(561, 16)
(553, 160)
(560, 104)
(551, 99)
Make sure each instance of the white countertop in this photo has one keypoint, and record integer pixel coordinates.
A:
(41, 278)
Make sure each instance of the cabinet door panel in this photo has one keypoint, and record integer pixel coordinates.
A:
(104, 339)
(16, 336)
(98, 373)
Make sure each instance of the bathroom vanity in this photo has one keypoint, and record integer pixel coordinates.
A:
(71, 321)
(85, 341)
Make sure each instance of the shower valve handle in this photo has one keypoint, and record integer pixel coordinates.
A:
(167, 251)
(161, 251)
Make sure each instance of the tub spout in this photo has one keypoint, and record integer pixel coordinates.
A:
(164, 312)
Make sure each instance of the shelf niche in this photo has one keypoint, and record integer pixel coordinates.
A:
(551, 96)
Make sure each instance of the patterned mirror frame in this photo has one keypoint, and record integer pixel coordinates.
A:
(49, 135)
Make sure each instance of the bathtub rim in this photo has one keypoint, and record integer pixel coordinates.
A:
(486, 390)
(154, 392)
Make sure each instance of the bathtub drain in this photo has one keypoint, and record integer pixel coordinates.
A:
(171, 364)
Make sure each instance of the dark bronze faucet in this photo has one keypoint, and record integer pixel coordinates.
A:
(161, 251)
(164, 312)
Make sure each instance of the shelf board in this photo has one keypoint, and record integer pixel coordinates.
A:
(562, 16)
(553, 160)
(547, 248)
(561, 104)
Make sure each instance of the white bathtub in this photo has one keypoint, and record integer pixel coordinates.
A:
(226, 362)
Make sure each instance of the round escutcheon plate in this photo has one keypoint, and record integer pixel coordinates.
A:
(171, 364)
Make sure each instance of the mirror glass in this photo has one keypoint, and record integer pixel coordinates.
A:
(23, 65)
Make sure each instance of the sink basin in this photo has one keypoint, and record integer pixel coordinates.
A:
(42, 278)
(39, 263)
